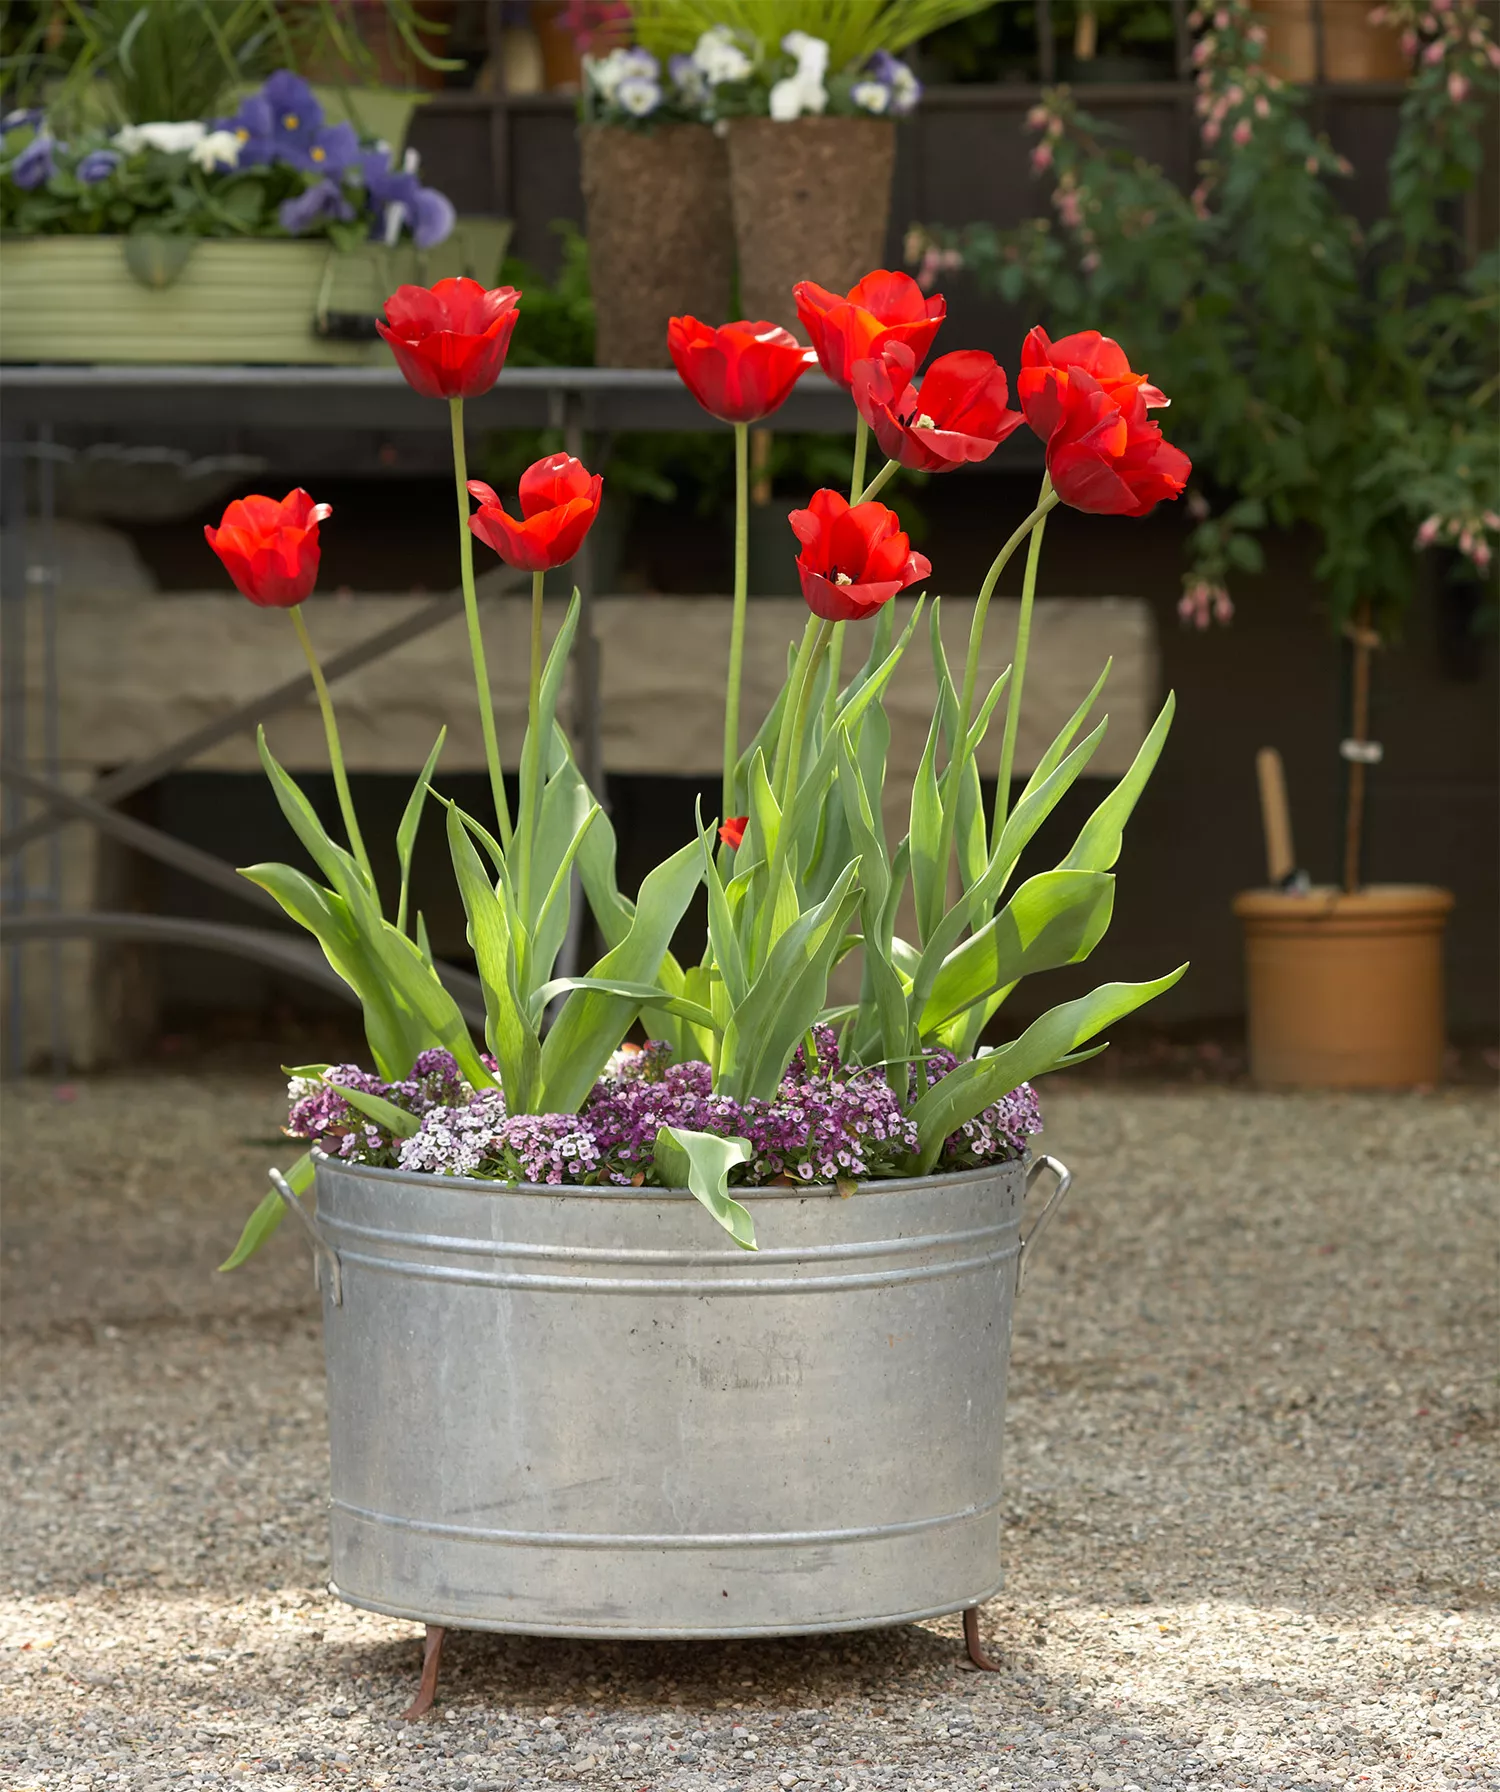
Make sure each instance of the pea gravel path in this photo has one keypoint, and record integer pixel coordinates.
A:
(1251, 1467)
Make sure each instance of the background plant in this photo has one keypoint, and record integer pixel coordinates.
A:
(1323, 374)
(853, 29)
(135, 61)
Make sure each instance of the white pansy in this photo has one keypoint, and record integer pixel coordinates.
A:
(607, 74)
(811, 54)
(906, 89)
(170, 139)
(871, 96)
(219, 149)
(719, 58)
(638, 95)
(803, 91)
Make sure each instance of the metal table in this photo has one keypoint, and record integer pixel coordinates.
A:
(343, 407)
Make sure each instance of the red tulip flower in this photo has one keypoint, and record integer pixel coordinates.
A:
(854, 557)
(450, 340)
(883, 307)
(1046, 365)
(559, 501)
(739, 372)
(1104, 454)
(733, 830)
(959, 413)
(270, 548)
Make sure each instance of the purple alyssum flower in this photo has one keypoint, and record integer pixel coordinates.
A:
(826, 1124)
(319, 1111)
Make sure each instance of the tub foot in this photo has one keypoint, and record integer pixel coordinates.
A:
(976, 1648)
(432, 1660)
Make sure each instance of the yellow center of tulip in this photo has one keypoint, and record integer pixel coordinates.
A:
(924, 422)
(842, 578)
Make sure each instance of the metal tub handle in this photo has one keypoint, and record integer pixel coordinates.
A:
(323, 1251)
(1064, 1182)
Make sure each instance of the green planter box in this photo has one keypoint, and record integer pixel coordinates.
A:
(74, 298)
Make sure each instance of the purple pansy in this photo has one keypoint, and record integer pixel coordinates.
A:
(400, 201)
(97, 165)
(37, 163)
(324, 200)
(255, 126)
(296, 117)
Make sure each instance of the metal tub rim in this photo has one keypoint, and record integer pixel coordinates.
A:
(486, 1185)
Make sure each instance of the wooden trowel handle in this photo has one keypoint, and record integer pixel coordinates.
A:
(1275, 817)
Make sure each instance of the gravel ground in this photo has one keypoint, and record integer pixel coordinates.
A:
(1251, 1464)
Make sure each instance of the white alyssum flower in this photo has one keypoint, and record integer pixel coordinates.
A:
(802, 91)
(719, 58)
(171, 139)
(219, 149)
(870, 96)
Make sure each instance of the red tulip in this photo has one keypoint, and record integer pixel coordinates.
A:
(733, 830)
(450, 339)
(270, 548)
(883, 307)
(1046, 365)
(854, 557)
(959, 413)
(559, 501)
(1104, 454)
(738, 372)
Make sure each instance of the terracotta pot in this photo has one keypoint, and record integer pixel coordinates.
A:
(659, 235)
(1345, 992)
(1353, 48)
(812, 199)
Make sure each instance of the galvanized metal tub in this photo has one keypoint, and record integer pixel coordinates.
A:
(584, 1412)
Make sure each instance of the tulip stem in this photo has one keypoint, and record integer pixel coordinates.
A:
(861, 450)
(335, 751)
(737, 622)
(471, 615)
(1018, 659)
(534, 754)
(878, 483)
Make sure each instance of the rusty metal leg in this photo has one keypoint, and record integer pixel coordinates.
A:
(976, 1648)
(432, 1658)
